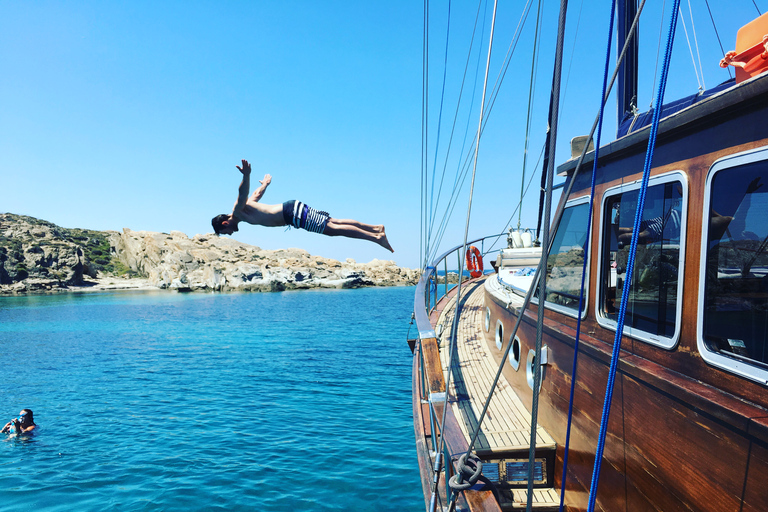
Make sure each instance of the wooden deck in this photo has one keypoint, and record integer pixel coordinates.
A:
(507, 423)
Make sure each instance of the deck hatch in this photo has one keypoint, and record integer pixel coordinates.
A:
(517, 472)
(514, 472)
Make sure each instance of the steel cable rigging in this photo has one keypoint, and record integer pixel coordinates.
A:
(464, 168)
(557, 217)
(452, 350)
(428, 234)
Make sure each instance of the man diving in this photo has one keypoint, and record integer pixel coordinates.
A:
(291, 213)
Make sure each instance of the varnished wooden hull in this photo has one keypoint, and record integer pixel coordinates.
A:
(427, 379)
(673, 443)
(682, 435)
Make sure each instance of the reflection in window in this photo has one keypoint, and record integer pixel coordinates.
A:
(736, 282)
(653, 295)
(566, 259)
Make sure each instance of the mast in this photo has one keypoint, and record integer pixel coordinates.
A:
(627, 89)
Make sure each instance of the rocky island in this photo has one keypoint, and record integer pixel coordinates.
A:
(37, 256)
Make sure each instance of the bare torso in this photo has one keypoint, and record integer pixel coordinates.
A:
(269, 215)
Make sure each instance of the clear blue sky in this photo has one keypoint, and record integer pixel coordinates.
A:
(134, 114)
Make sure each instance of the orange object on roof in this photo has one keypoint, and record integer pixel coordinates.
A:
(751, 55)
(751, 33)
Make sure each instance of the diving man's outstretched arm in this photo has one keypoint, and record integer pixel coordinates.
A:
(245, 186)
(259, 192)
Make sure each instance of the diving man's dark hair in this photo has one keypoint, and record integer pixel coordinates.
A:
(217, 222)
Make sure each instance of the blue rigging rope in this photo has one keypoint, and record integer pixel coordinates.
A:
(631, 260)
(586, 251)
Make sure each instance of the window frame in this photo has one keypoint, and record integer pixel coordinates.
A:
(736, 366)
(557, 307)
(656, 340)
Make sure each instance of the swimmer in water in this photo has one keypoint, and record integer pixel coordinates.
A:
(21, 425)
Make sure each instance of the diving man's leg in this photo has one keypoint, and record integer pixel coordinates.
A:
(354, 229)
(365, 227)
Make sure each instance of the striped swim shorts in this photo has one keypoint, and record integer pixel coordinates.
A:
(299, 215)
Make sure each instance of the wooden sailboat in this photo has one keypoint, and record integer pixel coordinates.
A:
(688, 422)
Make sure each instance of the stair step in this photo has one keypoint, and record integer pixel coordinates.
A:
(544, 500)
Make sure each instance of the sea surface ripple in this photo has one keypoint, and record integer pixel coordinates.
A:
(164, 401)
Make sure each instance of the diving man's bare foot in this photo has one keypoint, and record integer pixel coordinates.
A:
(382, 241)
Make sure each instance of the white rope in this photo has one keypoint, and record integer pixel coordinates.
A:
(658, 50)
(424, 140)
(573, 52)
(456, 116)
(510, 52)
(440, 116)
(696, 43)
(519, 206)
(531, 88)
(463, 169)
(457, 312)
(453, 128)
(690, 49)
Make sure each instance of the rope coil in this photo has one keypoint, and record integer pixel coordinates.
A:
(470, 468)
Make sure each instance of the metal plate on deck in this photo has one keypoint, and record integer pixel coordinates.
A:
(491, 471)
(514, 472)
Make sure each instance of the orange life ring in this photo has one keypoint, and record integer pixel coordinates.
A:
(474, 262)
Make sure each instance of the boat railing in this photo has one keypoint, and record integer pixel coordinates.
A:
(428, 290)
(431, 384)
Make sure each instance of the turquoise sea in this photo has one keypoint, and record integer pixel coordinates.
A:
(164, 401)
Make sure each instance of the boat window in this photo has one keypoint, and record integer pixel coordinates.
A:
(735, 295)
(654, 294)
(565, 262)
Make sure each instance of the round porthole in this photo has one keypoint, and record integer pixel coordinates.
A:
(529, 369)
(499, 334)
(487, 319)
(514, 354)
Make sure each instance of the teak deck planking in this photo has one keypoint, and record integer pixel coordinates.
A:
(506, 426)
